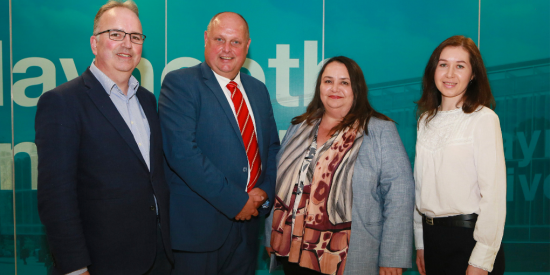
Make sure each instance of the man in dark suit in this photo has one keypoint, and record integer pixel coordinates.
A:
(102, 194)
(220, 142)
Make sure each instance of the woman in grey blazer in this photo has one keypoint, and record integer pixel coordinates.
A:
(343, 207)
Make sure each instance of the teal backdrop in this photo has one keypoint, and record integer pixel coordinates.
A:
(46, 43)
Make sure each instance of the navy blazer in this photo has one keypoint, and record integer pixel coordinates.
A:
(206, 159)
(95, 192)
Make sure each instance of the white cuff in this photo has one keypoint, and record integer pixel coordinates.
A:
(78, 272)
(418, 236)
(483, 256)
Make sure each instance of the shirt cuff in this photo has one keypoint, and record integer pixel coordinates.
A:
(78, 272)
(483, 256)
(418, 237)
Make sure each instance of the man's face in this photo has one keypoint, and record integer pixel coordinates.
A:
(117, 58)
(226, 45)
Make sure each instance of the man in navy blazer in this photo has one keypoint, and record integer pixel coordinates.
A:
(214, 221)
(102, 194)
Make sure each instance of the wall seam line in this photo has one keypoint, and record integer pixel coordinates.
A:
(165, 33)
(323, 39)
(12, 142)
(479, 25)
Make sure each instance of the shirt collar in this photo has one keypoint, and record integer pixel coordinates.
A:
(109, 84)
(224, 80)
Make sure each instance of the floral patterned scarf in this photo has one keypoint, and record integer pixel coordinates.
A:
(312, 215)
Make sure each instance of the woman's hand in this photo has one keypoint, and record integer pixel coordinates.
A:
(269, 250)
(420, 261)
(391, 271)
(472, 270)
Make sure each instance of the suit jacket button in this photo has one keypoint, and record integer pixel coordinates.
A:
(153, 208)
(244, 169)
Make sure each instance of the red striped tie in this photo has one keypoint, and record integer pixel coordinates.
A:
(247, 132)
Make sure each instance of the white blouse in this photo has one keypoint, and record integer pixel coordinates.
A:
(460, 169)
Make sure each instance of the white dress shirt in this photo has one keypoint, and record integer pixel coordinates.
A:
(460, 169)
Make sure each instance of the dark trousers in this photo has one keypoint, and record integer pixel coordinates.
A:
(295, 269)
(161, 266)
(448, 249)
(237, 255)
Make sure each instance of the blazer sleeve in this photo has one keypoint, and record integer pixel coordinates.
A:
(268, 184)
(397, 188)
(57, 141)
(179, 107)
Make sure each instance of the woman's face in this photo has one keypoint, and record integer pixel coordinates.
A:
(453, 73)
(336, 92)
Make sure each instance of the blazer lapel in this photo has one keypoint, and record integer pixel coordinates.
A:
(108, 109)
(214, 86)
(152, 119)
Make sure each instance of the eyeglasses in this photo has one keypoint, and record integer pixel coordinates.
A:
(118, 35)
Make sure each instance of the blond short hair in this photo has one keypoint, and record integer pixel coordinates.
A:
(129, 4)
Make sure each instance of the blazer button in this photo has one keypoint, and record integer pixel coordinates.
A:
(153, 208)
(244, 169)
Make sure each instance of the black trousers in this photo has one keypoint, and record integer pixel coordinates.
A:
(161, 266)
(448, 249)
(295, 269)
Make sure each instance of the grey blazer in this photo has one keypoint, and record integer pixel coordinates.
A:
(383, 202)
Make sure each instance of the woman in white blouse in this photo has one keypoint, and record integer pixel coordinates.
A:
(459, 167)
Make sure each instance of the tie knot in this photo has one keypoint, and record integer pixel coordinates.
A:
(231, 85)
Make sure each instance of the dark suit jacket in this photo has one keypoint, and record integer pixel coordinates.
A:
(207, 164)
(95, 193)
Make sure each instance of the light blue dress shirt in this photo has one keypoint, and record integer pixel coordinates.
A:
(129, 108)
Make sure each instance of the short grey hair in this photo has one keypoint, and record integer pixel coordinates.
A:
(129, 4)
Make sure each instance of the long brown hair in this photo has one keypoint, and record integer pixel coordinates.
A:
(361, 110)
(478, 93)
